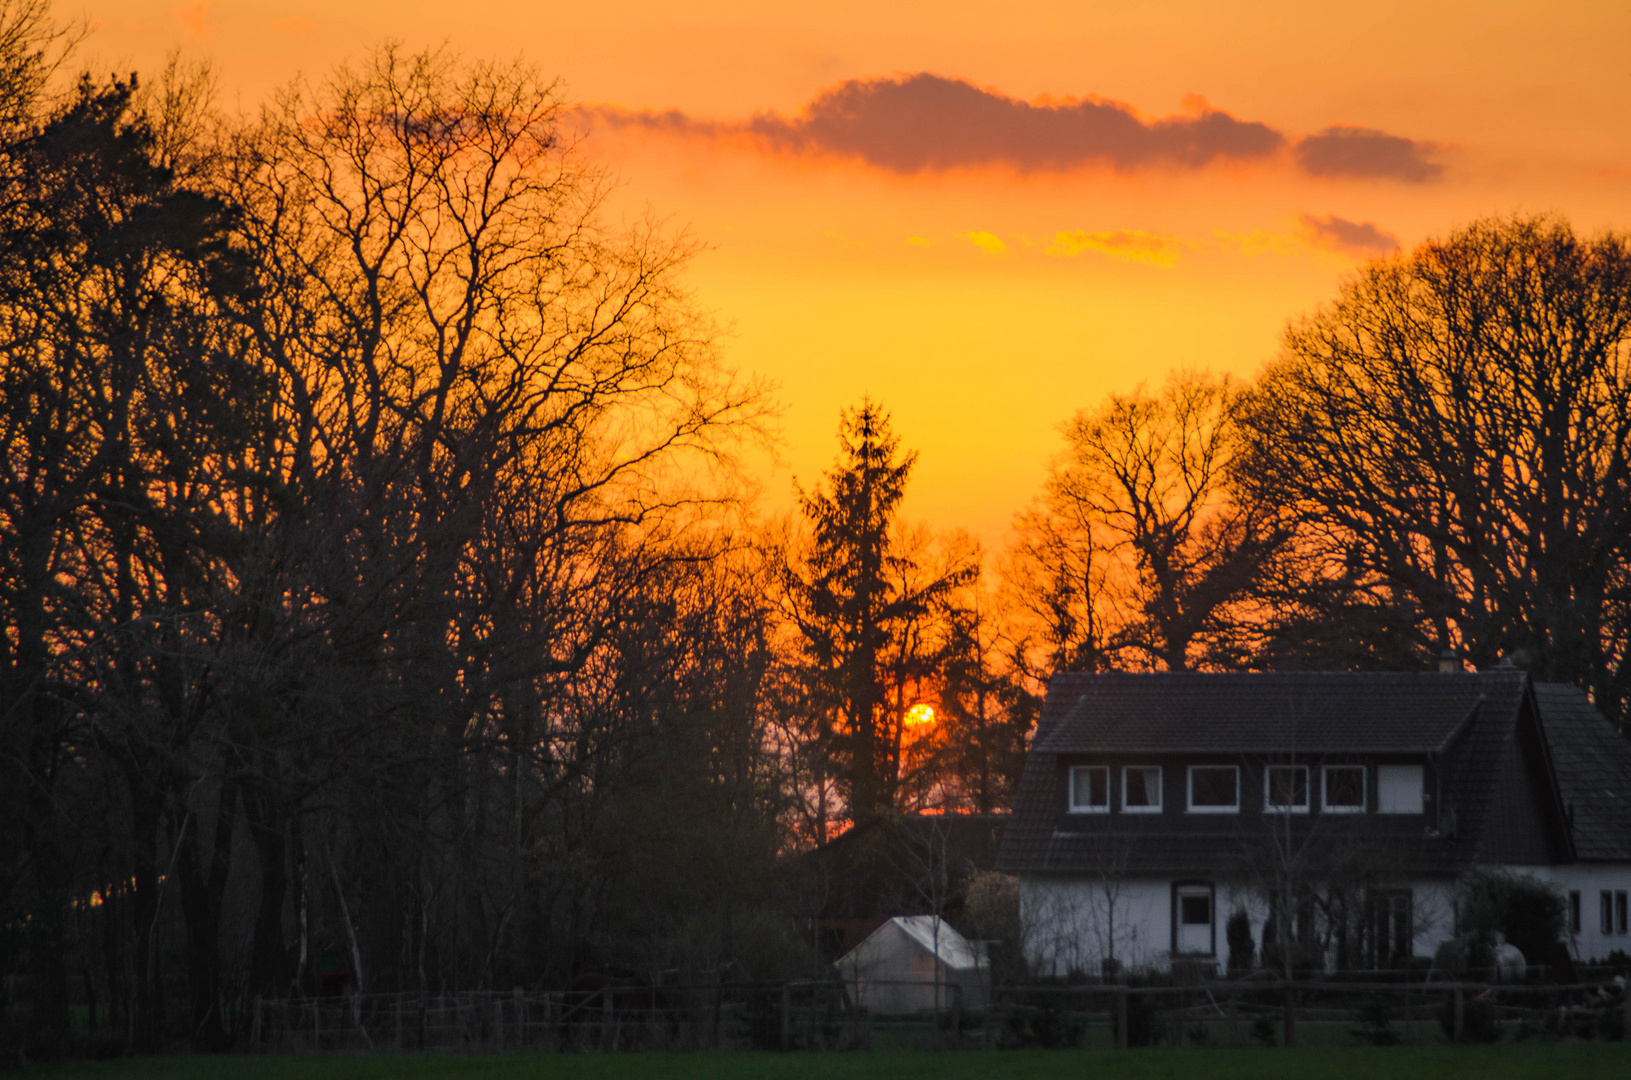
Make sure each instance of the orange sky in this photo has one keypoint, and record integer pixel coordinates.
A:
(981, 267)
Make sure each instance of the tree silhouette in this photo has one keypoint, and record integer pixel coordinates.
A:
(861, 604)
(1143, 547)
(1454, 436)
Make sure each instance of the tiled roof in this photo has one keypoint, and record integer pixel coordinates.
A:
(1593, 763)
(876, 869)
(1468, 721)
(1357, 712)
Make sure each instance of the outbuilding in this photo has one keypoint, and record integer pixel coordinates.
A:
(915, 964)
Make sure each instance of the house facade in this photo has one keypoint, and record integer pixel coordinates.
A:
(1339, 812)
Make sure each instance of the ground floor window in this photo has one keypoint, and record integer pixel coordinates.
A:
(1392, 930)
(1574, 911)
(1605, 905)
(1193, 925)
(1620, 912)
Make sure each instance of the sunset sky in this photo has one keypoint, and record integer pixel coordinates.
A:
(986, 220)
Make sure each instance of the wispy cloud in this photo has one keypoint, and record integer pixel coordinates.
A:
(1351, 237)
(990, 243)
(925, 123)
(1157, 249)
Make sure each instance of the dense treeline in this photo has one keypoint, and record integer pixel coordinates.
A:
(380, 611)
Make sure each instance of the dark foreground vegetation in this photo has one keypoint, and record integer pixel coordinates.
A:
(1558, 1061)
(380, 611)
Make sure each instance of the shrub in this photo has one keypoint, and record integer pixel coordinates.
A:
(1238, 931)
(1528, 913)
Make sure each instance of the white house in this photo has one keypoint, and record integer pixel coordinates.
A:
(1155, 806)
(915, 964)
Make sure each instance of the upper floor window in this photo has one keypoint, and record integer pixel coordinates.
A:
(1090, 789)
(1141, 789)
(1214, 789)
(1285, 789)
(1400, 789)
(1344, 789)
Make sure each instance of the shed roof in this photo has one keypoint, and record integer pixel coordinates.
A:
(953, 948)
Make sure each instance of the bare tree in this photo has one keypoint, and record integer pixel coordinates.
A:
(1454, 433)
(1144, 544)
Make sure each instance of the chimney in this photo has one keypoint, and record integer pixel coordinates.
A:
(1449, 662)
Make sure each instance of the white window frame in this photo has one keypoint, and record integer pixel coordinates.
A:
(1276, 808)
(1089, 808)
(1192, 889)
(1325, 787)
(1160, 790)
(1189, 792)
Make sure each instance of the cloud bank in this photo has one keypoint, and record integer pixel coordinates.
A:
(925, 122)
(922, 123)
(1366, 153)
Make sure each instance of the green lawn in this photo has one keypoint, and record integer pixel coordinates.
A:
(1564, 1061)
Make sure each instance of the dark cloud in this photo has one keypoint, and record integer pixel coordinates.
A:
(924, 122)
(1358, 237)
(1365, 153)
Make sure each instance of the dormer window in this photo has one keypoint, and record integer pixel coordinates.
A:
(1285, 789)
(1214, 789)
(1141, 789)
(1090, 789)
(1344, 789)
(1400, 789)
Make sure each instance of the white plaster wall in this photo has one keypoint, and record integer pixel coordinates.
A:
(1075, 925)
(1067, 923)
(1590, 880)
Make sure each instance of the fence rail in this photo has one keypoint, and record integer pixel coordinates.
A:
(823, 1015)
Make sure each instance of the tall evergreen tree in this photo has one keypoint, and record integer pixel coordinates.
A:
(854, 598)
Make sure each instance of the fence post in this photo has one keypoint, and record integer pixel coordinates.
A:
(1460, 1014)
(255, 1036)
(498, 1021)
(1625, 1006)
(520, 996)
(316, 1026)
(1289, 1024)
(787, 1016)
(399, 1025)
(1121, 1018)
(608, 1038)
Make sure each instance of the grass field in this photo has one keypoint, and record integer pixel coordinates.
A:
(1562, 1061)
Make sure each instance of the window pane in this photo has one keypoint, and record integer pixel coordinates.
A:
(1288, 785)
(1213, 786)
(1195, 910)
(1090, 787)
(1399, 789)
(1608, 912)
(1574, 911)
(1345, 787)
(1143, 787)
(1620, 912)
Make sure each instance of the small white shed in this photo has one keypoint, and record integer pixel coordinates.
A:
(915, 964)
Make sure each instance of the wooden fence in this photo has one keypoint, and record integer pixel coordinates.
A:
(821, 1016)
